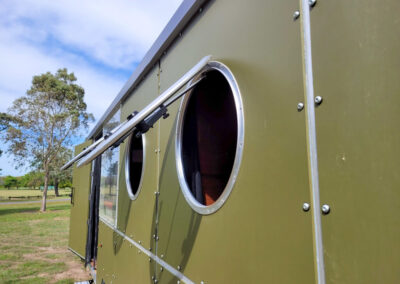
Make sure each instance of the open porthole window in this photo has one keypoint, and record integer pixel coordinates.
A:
(209, 139)
(134, 165)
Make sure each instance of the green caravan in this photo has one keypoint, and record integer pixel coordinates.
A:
(256, 142)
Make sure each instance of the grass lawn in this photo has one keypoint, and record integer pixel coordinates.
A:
(33, 245)
(30, 193)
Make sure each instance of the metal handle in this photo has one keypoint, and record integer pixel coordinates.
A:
(149, 109)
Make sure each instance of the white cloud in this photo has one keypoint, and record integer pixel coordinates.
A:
(100, 41)
(117, 33)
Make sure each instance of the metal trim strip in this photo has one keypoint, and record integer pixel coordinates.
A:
(154, 257)
(312, 140)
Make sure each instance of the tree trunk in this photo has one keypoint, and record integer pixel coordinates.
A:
(46, 185)
(56, 187)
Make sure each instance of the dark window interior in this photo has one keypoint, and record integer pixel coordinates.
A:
(135, 163)
(209, 138)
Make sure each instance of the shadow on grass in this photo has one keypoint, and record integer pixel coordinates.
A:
(52, 208)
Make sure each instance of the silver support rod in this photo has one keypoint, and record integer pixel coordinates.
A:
(129, 125)
(154, 257)
(312, 141)
(88, 149)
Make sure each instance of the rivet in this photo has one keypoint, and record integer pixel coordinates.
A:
(325, 209)
(152, 277)
(306, 207)
(155, 280)
(149, 259)
(312, 3)
(178, 282)
(140, 242)
(296, 15)
(162, 269)
(318, 100)
(300, 106)
(157, 238)
(162, 256)
(179, 267)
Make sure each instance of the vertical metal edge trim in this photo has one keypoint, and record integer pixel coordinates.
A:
(168, 267)
(312, 141)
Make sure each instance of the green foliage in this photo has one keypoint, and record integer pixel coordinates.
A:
(46, 121)
(5, 121)
(32, 180)
(10, 181)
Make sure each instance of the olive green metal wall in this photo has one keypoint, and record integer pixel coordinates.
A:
(81, 181)
(135, 218)
(356, 58)
(261, 234)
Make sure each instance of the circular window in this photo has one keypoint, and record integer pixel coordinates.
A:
(134, 165)
(210, 133)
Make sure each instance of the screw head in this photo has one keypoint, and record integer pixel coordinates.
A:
(318, 100)
(306, 207)
(312, 3)
(300, 106)
(296, 15)
(325, 209)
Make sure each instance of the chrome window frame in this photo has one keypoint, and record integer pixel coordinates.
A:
(197, 206)
(127, 167)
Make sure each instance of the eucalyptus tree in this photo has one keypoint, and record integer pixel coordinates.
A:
(48, 118)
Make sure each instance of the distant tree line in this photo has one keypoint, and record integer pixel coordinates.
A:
(35, 180)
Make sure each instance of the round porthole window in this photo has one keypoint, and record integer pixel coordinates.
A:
(209, 140)
(134, 165)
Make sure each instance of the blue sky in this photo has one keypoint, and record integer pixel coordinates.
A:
(100, 41)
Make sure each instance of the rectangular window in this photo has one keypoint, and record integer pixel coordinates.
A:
(109, 177)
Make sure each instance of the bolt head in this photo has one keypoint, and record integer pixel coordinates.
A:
(300, 106)
(318, 100)
(325, 209)
(306, 207)
(296, 15)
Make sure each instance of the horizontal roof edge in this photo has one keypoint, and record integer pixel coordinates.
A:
(182, 16)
